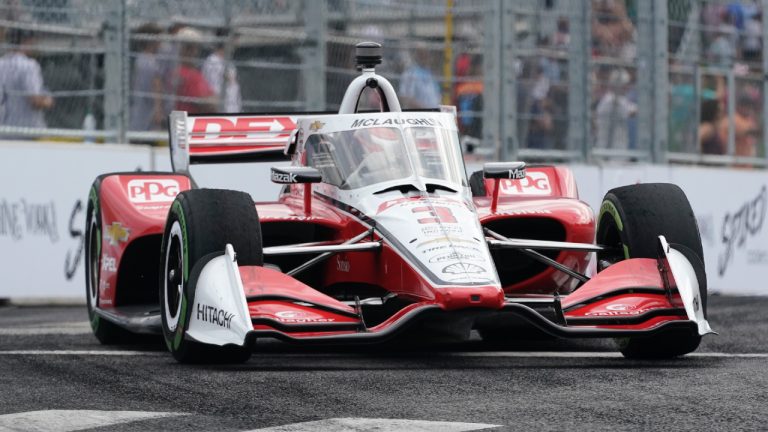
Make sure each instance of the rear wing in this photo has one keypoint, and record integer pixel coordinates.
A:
(222, 138)
(228, 138)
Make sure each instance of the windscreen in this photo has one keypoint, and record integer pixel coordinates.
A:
(362, 157)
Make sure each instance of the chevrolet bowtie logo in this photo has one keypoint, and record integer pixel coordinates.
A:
(117, 233)
(316, 125)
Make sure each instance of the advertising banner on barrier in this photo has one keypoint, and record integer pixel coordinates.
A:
(43, 191)
(43, 199)
(730, 206)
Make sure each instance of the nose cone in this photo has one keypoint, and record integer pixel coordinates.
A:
(442, 238)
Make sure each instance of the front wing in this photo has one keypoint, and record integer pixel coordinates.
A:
(636, 297)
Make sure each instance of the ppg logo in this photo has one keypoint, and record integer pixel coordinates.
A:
(535, 183)
(152, 190)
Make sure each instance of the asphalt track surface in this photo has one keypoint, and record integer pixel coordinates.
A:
(50, 361)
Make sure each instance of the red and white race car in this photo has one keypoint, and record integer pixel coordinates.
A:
(377, 232)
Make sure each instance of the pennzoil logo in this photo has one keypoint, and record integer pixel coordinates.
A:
(117, 233)
(316, 125)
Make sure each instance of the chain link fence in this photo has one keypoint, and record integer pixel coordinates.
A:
(573, 80)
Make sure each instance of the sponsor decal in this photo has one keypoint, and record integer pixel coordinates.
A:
(25, 218)
(213, 315)
(437, 214)
(444, 247)
(297, 317)
(108, 264)
(283, 177)
(741, 225)
(620, 307)
(535, 183)
(316, 125)
(393, 121)
(462, 268)
(342, 265)
(456, 256)
(413, 201)
(117, 233)
(226, 128)
(142, 191)
(445, 239)
(524, 212)
(440, 230)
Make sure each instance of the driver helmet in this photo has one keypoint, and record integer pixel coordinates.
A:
(378, 139)
(381, 146)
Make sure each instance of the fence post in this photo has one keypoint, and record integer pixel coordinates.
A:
(491, 75)
(660, 86)
(313, 54)
(579, 55)
(509, 140)
(116, 65)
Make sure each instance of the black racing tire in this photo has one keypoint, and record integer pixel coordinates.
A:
(477, 184)
(105, 331)
(200, 224)
(630, 220)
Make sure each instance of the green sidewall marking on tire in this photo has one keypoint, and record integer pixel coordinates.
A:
(94, 321)
(608, 207)
(180, 328)
(176, 209)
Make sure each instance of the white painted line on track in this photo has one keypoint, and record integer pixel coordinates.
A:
(378, 425)
(58, 329)
(83, 353)
(489, 354)
(72, 420)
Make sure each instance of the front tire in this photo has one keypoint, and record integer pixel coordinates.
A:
(630, 220)
(200, 224)
(106, 332)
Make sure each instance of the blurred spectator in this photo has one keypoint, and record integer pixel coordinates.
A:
(418, 87)
(469, 98)
(709, 138)
(613, 112)
(722, 51)
(221, 76)
(752, 45)
(541, 124)
(168, 55)
(194, 95)
(745, 124)
(613, 33)
(562, 37)
(147, 111)
(23, 97)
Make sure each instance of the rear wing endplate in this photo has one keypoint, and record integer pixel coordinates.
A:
(222, 138)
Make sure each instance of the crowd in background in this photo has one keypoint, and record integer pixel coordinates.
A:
(193, 68)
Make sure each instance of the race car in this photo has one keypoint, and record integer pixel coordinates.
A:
(379, 233)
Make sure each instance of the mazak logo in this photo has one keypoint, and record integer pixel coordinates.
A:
(283, 178)
(535, 183)
(152, 190)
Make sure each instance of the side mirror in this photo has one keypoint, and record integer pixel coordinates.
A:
(504, 170)
(296, 175)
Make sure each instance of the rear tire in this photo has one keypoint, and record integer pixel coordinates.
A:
(630, 220)
(105, 331)
(477, 184)
(200, 224)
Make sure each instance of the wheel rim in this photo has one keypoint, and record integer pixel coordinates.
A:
(94, 258)
(174, 277)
